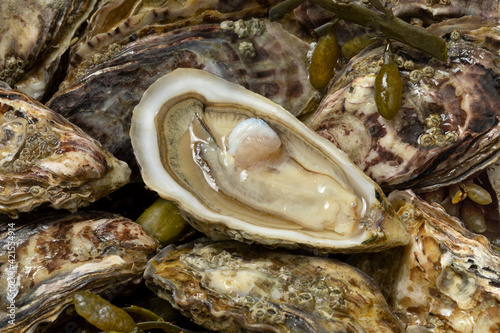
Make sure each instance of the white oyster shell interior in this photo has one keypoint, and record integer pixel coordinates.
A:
(230, 157)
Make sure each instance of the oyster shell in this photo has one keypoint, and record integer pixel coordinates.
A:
(57, 256)
(431, 11)
(119, 19)
(447, 127)
(446, 280)
(34, 36)
(44, 159)
(284, 185)
(231, 287)
(99, 96)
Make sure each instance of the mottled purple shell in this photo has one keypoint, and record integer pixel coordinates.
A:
(447, 127)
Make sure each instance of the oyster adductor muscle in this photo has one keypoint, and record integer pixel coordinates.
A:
(45, 159)
(240, 166)
(58, 255)
(235, 287)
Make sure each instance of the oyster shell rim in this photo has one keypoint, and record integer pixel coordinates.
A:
(375, 234)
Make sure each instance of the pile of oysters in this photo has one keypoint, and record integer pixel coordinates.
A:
(307, 210)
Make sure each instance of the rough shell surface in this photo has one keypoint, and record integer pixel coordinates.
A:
(179, 134)
(231, 287)
(57, 256)
(44, 159)
(34, 36)
(431, 11)
(447, 279)
(116, 20)
(447, 126)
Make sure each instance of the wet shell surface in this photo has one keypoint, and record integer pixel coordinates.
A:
(56, 256)
(33, 38)
(447, 128)
(44, 159)
(240, 166)
(234, 287)
(447, 279)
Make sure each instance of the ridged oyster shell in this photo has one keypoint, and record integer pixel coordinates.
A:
(232, 287)
(56, 256)
(34, 36)
(119, 19)
(308, 194)
(44, 159)
(446, 280)
(447, 127)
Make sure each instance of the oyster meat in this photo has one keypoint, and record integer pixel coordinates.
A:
(56, 256)
(447, 127)
(232, 287)
(446, 280)
(44, 159)
(241, 166)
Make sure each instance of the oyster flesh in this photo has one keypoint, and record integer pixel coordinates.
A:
(447, 128)
(233, 287)
(240, 166)
(446, 280)
(44, 159)
(57, 256)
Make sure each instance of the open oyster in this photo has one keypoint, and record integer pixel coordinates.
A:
(242, 167)
(446, 280)
(232, 287)
(447, 127)
(44, 159)
(57, 256)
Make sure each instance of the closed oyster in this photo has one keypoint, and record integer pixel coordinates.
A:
(34, 36)
(118, 19)
(446, 280)
(58, 256)
(242, 167)
(447, 127)
(44, 159)
(231, 287)
(99, 97)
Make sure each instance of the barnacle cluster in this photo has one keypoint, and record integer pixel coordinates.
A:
(29, 141)
(244, 29)
(434, 134)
